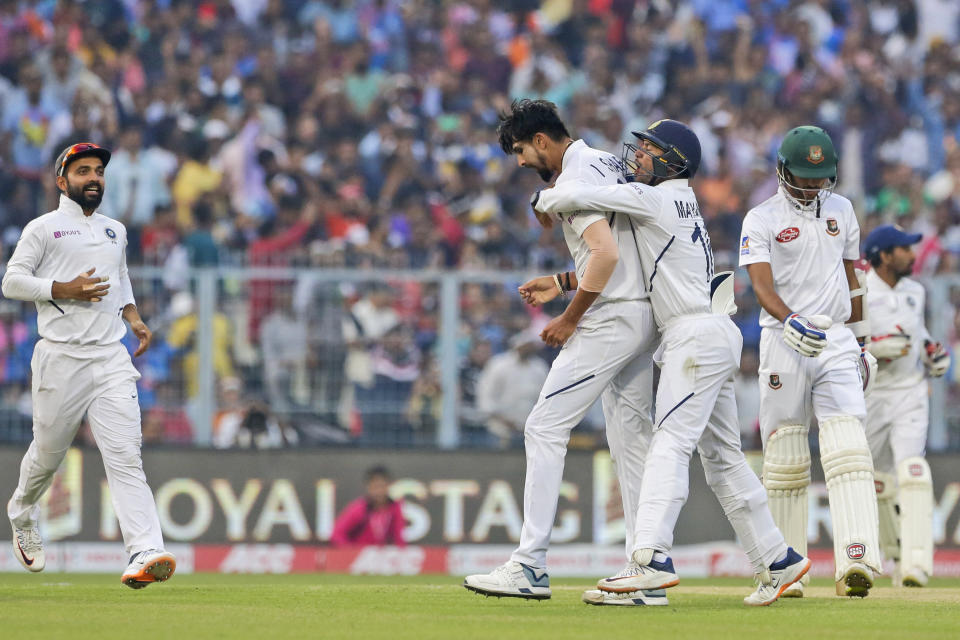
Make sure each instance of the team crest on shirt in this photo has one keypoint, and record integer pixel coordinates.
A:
(775, 381)
(911, 301)
(111, 233)
(788, 235)
(815, 154)
(832, 227)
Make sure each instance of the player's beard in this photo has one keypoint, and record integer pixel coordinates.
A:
(86, 200)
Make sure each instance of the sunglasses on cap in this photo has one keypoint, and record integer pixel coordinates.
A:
(81, 147)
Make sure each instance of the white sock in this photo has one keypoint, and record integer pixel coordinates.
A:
(659, 556)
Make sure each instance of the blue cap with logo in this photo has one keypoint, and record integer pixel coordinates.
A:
(886, 237)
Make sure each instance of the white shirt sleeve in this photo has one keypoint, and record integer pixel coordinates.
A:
(19, 283)
(754, 241)
(126, 289)
(634, 199)
(851, 246)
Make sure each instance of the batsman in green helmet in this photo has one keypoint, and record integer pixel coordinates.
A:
(799, 248)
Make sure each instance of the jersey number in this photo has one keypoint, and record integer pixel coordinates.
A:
(701, 235)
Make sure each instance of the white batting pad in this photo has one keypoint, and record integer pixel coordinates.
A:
(786, 476)
(916, 514)
(886, 485)
(848, 470)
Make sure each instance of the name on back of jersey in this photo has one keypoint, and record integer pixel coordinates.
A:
(686, 209)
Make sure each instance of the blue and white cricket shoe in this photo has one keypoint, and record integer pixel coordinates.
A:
(642, 573)
(512, 580)
(654, 598)
(773, 582)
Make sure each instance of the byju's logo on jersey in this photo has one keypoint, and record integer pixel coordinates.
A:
(788, 235)
(775, 381)
(745, 246)
(68, 232)
(856, 551)
(832, 227)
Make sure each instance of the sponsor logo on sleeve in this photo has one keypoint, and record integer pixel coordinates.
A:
(745, 246)
(832, 227)
(856, 551)
(775, 381)
(788, 235)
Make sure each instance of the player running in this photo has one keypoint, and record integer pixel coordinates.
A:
(799, 248)
(698, 356)
(80, 365)
(608, 337)
(897, 409)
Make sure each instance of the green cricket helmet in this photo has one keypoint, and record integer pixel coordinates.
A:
(807, 152)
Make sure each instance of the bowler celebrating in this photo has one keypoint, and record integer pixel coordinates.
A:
(64, 262)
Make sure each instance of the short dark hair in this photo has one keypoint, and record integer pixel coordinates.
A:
(377, 471)
(527, 118)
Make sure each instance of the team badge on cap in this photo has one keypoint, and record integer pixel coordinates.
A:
(832, 227)
(775, 381)
(815, 154)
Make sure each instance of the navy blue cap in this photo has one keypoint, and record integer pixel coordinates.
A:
(886, 237)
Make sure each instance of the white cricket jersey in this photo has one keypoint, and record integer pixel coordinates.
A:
(59, 246)
(806, 250)
(669, 237)
(583, 164)
(898, 310)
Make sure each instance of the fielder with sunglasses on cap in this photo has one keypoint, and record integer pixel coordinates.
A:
(72, 263)
(898, 409)
(799, 248)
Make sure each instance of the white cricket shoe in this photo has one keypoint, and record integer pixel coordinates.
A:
(773, 582)
(793, 591)
(915, 577)
(856, 581)
(28, 547)
(654, 598)
(642, 573)
(146, 567)
(512, 580)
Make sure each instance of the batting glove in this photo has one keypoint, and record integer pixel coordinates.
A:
(806, 336)
(935, 358)
(868, 369)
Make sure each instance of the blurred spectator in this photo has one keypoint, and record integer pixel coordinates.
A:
(182, 337)
(372, 519)
(283, 338)
(509, 387)
(137, 177)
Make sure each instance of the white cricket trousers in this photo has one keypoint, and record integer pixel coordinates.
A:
(100, 381)
(610, 355)
(896, 425)
(697, 408)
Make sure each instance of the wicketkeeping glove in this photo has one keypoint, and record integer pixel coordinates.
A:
(806, 336)
(935, 358)
(890, 346)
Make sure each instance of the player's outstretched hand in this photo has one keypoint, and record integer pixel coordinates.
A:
(539, 291)
(144, 335)
(85, 287)
(558, 331)
(935, 358)
(806, 336)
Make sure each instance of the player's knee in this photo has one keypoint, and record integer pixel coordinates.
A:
(843, 447)
(914, 472)
(786, 460)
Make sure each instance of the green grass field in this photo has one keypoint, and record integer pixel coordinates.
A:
(77, 606)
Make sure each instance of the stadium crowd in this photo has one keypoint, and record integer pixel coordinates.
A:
(360, 135)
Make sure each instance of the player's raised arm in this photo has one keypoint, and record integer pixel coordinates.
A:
(632, 198)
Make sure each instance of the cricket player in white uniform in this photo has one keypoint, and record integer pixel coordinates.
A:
(799, 248)
(608, 338)
(698, 357)
(897, 406)
(72, 263)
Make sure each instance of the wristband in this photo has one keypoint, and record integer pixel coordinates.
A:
(556, 281)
